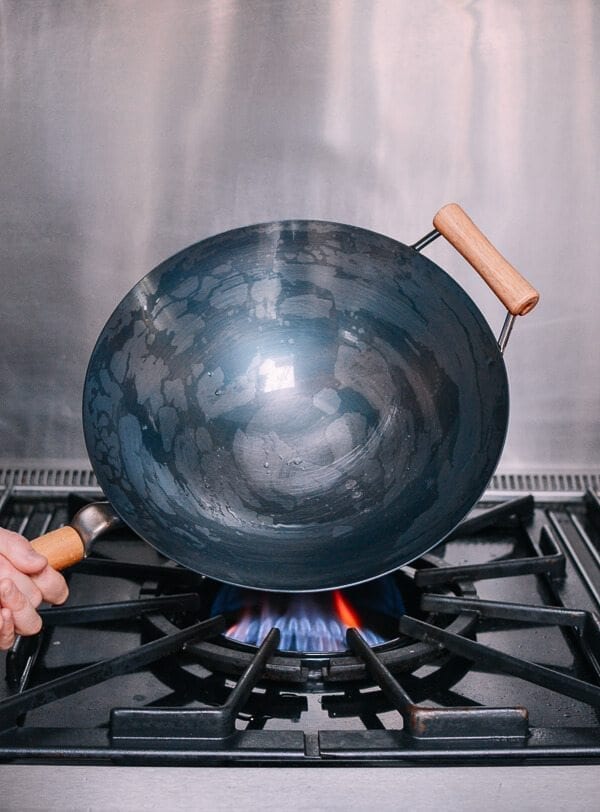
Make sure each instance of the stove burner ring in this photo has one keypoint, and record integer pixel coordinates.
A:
(400, 654)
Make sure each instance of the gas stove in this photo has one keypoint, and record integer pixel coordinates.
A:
(492, 659)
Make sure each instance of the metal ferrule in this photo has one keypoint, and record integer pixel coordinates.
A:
(94, 520)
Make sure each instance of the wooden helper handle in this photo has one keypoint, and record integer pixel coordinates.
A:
(513, 290)
(62, 547)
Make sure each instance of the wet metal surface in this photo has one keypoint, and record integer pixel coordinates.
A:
(295, 406)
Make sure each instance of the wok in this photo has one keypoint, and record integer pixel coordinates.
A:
(297, 405)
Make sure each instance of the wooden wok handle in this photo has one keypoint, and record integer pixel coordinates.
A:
(63, 547)
(513, 290)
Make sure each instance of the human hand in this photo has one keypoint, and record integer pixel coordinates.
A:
(26, 579)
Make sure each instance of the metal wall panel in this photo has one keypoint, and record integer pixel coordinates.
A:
(132, 129)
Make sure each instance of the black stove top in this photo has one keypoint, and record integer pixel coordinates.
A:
(496, 659)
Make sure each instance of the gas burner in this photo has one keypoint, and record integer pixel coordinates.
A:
(320, 670)
(314, 623)
(169, 684)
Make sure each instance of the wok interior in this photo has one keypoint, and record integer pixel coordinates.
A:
(290, 406)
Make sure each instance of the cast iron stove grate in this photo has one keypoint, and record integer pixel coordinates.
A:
(472, 697)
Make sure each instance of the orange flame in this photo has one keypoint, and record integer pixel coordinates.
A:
(344, 611)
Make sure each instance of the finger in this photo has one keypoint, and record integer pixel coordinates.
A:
(52, 585)
(20, 552)
(24, 583)
(7, 629)
(25, 618)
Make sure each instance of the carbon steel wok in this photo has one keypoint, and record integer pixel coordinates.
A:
(297, 405)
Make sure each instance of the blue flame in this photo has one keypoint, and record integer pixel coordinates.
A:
(307, 623)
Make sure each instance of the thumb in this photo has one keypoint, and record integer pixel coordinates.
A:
(20, 553)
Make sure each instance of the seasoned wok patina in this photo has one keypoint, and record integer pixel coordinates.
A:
(295, 406)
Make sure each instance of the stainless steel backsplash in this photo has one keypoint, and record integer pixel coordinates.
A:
(130, 130)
